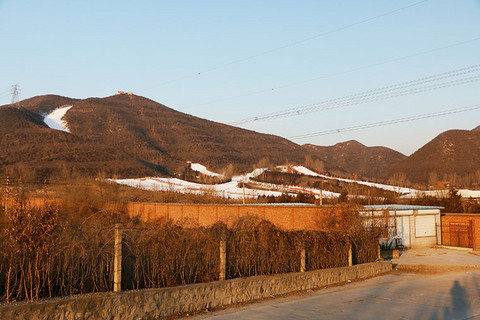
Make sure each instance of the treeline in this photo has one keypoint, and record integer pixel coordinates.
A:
(452, 203)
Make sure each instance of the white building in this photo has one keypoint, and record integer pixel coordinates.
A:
(408, 226)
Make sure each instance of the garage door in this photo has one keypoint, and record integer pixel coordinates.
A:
(425, 226)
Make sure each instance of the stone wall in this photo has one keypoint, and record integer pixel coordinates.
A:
(151, 303)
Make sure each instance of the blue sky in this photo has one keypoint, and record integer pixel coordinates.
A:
(307, 51)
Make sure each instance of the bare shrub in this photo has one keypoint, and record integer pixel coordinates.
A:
(165, 254)
(325, 250)
(257, 247)
(49, 251)
(362, 232)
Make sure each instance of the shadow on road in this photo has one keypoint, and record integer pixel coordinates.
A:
(459, 307)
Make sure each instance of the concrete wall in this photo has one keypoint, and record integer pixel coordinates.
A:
(423, 242)
(151, 303)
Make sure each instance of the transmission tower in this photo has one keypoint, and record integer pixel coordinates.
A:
(15, 90)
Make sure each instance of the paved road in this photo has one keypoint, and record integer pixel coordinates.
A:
(399, 295)
(440, 256)
(393, 296)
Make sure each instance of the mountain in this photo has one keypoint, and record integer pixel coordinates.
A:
(130, 135)
(453, 152)
(358, 159)
(46, 103)
(26, 140)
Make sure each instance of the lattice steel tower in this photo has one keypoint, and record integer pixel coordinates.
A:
(15, 90)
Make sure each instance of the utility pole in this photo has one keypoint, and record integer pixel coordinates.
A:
(223, 256)
(15, 91)
(321, 193)
(243, 191)
(117, 264)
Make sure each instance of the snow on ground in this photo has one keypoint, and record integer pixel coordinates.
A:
(226, 190)
(308, 172)
(255, 173)
(465, 193)
(54, 119)
(202, 169)
(232, 190)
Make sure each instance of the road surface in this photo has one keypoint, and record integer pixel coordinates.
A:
(399, 295)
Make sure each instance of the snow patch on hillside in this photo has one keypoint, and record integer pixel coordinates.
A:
(54, 119)
(232, 189)
(464, 193)
(226, 190)
(203, 170)
(308, 172)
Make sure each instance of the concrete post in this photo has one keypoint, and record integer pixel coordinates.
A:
(303, 259)
(378, 251)
(350, 254)
(117, 263)
(223, 256)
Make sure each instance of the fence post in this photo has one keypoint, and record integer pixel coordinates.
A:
(117, 263)
(350, 254)
(223, 255)
(303, 258)
(378, 251)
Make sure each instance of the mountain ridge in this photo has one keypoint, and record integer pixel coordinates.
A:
(130, 135)
(152, 138)
(451, 155)
(354, 157)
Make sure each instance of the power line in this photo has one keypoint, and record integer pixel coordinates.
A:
(382, 93)
(387, 122)
(317, 36)
(5, 91)
(233, 62)
(452, 45)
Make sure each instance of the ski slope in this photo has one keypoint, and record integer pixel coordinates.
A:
(203, 170)
(232, 190)
(225, 190)
(54, 119)
(229, 190)
(464, 193)
(305, 171)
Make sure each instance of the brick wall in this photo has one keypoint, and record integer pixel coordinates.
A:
(153, 303)
(465, 220)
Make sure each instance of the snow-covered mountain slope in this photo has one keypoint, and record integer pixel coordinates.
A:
(305, 171)
(54, 119)
(232, 189)
(203, 170)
